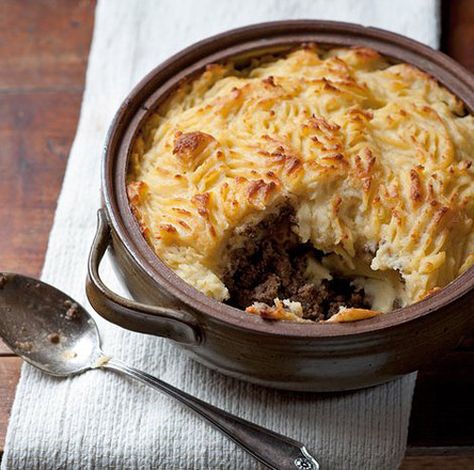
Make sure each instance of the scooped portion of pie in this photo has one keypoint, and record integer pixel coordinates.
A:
(321, 185)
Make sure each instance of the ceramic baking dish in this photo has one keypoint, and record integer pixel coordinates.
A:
(310, 357)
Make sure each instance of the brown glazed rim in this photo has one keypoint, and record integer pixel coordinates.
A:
(252, 41)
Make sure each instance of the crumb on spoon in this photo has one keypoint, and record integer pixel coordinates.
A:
(102, 361)
(24, 346)
(72, 312)
(54, 338)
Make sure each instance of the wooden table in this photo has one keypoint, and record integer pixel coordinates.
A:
(44, 46)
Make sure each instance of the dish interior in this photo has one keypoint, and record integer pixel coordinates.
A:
(320, 184)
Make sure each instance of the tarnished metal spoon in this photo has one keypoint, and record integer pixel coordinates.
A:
(54, 333)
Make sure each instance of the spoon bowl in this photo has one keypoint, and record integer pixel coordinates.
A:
(46, 327)
(54, 333)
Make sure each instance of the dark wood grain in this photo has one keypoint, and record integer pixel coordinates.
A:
(436, 462)
(458, 31)
(44, 46)
(4, 351)
(443, 409)
(43, 54)
(9, 375)
(35, 135)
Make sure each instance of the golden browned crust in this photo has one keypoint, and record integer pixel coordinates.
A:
(188, 147)
(290, 311)
(368, 153)
(352, 314)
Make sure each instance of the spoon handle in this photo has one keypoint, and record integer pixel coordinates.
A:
(275, 451)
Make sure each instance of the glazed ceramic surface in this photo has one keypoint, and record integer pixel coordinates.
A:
(311, 357)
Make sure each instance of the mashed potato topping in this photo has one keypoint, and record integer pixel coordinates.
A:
(375, 159)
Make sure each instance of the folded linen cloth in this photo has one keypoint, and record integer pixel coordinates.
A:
(102, 420)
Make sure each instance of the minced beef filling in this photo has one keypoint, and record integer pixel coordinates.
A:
(272, 262)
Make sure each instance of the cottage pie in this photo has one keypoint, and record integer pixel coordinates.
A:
(326, 185)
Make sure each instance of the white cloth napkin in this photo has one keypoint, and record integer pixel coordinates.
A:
(100, 420)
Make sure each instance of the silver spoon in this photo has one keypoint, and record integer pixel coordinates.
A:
(54, 333)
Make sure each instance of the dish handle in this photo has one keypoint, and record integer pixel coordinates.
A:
(178, 325)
